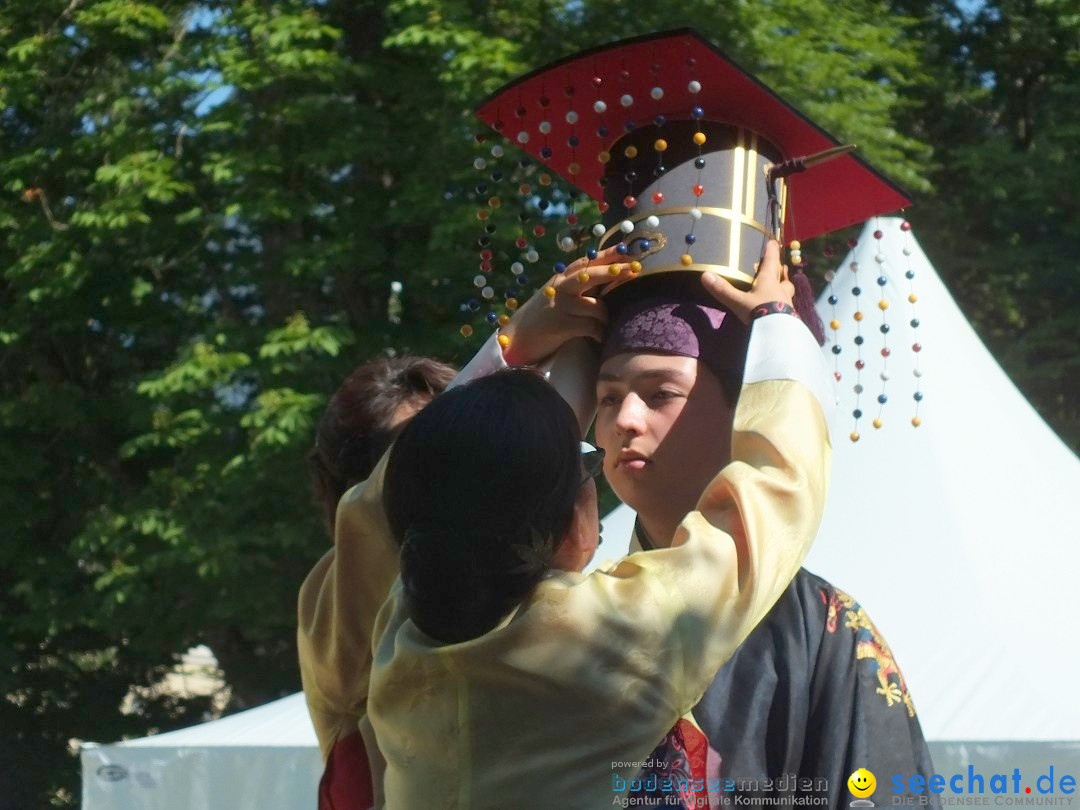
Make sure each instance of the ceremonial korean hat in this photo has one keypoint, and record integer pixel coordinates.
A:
(692, 161)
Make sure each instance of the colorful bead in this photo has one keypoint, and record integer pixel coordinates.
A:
(504, 341)
(884, 328)
(694, 87)
(686, 260)
(603, 206)
(699, 163)
(591, 253)
(836, 374)
(699, 139)
(854, 436)
(521, 242)
(621, 248)
(479, 164)
(488, 293)
(629, 201)
(917, 372)
(695, 213)
(573, 169)
(858, 389)
(834, 325)
(885, 352)
(860, 365)
(539, 230)
(910, 274)
(567, 243)
(571, 117)
(583, 277)
(854, 266)
(652, 221)
(497, 151)
(544, 127)
(858, 316)
(658, 197)
(643, 245)
(878, 234)
(523, 137)
(690, 238)
(657, 93)
(635, 266)
(836, 350)
(604, 156)
(466, 331)
(630, 151)
(599, 107)
(545, 179)
(917, 396)
(545, 153)
(549, 291)
(483, 214)
(698, 190)
(532, 256)
(601, 131)
(517, 268)
(884, 376)
(697, 112)
(881, 398)
(834, 300)
(598, 230)
(912, 298)
(856, 291)
(660, 120)
(916, 347)
(878, 423)
(626, 100)
(859, 340)
(883, 305)
(615, 269)
(573, 141)
(905, 226)
(880, 258)
(512, 304)
(906, 251)
(626, 226)
(504, 320)
(597, 81)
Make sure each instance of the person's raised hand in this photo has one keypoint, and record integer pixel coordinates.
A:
(770, 284)
(561, 310)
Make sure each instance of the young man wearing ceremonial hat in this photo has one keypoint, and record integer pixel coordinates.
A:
(789, 714)
(694, 164)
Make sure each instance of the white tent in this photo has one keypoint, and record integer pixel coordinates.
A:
(261, 759)
(959, 537)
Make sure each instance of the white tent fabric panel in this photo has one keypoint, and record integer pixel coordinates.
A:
(266, 757)
(959, 537)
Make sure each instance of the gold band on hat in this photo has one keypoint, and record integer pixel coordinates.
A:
(706, 210)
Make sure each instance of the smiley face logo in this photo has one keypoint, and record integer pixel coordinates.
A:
(861, 783)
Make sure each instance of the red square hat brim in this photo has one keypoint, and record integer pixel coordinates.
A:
(824, 198)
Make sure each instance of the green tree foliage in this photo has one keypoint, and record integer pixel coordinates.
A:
(202, 208)
(1003, 222)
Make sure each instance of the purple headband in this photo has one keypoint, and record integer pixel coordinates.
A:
(662, 326)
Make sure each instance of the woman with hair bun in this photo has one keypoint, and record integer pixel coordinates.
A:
(500, 675)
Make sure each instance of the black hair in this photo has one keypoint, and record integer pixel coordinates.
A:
(480, 488)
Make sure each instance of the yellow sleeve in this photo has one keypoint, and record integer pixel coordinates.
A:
(338, 603)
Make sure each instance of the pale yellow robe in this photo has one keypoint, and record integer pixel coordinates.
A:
(571, 691)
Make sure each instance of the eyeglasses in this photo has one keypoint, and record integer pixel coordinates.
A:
(592, 462)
